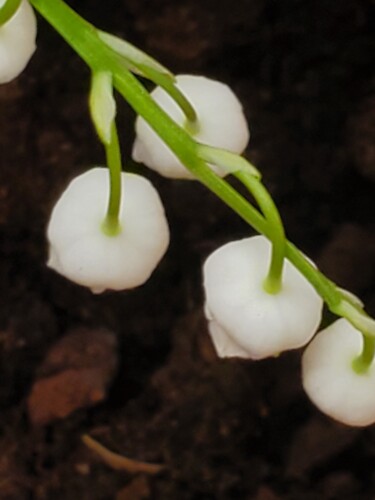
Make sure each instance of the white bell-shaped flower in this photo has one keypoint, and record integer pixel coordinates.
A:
(221, 123)
(17, 41)
(245, 320)
(330, 380)
(83, 253)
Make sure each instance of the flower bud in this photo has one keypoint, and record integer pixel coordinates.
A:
(82, 252)
(17, 41)
(221, 123)
(329, 378)
(244, 319)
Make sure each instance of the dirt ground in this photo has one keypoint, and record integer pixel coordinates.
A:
(136, 370)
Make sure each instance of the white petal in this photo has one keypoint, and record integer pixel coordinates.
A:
(221, 119)
(262, 324)
(17, 42)
(329, 380)
(81, 251)
(224, 344)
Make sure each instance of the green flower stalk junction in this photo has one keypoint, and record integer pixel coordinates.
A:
(109, 230)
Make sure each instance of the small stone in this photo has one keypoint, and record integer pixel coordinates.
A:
(75, 374)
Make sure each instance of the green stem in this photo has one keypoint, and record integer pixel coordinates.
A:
(111, 224)
(273, 282)
(228, 162)
(250, 177)
(8, 10)
(356, 316)
(83, 38)
(171, 88)
(142, 64)
(363, 362)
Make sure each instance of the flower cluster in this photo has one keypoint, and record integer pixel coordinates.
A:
(17, 41)
(246, 318)
(108, 230)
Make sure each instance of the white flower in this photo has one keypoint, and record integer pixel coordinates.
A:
(330, 381)
(244, 319)
(82, 252)
(17, 42)
(221, 124)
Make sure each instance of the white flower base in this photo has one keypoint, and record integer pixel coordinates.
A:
(246, 321)
(17, 42)
(221, 124)
(79, 249)
(330, 381)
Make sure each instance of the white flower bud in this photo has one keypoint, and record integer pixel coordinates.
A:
(330, 381)
(83, 253)
(221, 123)
(17, 42)
(244, 319)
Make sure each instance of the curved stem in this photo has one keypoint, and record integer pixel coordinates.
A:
(273, 282)
(171, 88)
(228, 162)
(8, 10)
(142, 64)
(362, 363)
(111, 224)
(250, 177)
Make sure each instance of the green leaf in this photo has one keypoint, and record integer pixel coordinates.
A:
(102, 104)
(136, 60)
(143, 65)
(351, 298)
(229, 162)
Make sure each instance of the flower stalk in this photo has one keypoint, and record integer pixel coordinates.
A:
(363, 362)
(273, 281)
(103, 112)
(111, 224)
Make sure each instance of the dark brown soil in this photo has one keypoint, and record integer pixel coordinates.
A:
(223, 429)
